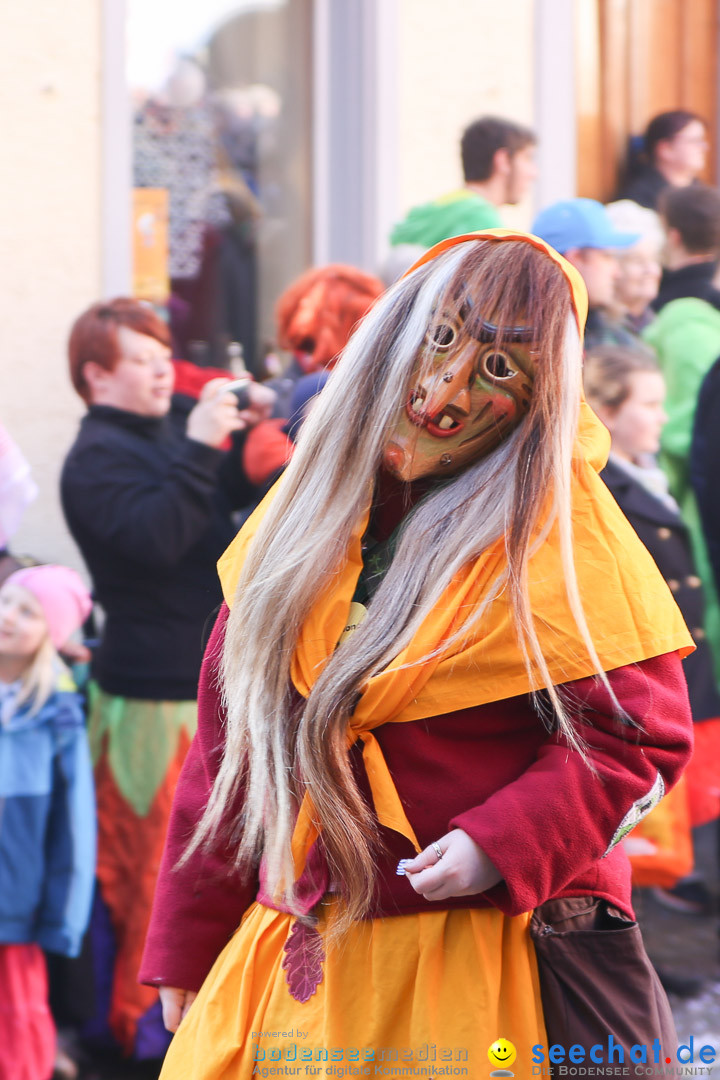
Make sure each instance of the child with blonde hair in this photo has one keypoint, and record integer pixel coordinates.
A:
(47, 826)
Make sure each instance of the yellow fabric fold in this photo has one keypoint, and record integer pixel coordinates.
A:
(418, 986)
(630, 612)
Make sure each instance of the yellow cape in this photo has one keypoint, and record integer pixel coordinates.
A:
(630, 611)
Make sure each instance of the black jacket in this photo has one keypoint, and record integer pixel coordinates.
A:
(703, 465)
(644, 187)
(601, 328)
(663, 533)
(693, 280)
(150, 511)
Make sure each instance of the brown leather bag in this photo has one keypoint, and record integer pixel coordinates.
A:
(596, 979)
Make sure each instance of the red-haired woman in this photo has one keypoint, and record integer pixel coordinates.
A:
(149, 505)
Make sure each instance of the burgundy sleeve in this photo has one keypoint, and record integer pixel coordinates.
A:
(559, 817)
(198, 906)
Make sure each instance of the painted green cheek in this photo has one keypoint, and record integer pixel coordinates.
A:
(492, 389)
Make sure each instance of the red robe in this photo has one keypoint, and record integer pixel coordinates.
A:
(543, 817)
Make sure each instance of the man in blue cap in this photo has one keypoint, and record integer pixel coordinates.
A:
(581, 230)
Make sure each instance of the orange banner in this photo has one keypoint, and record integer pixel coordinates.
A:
(150, 245)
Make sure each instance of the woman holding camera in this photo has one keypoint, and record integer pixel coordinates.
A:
(149, 503)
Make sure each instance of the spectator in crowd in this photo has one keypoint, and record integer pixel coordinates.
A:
(639, 265)
(318, 311)
(581, 230)
(149, 506)
(685, 336)
(626, 389)
(703, 473)
(704, 458)
(692, 220)
(675, 146)
(47, 825)
(315, 316)
(498, 161)
(17, 491)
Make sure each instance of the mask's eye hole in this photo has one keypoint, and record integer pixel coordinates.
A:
(498, 365)
(442, 336)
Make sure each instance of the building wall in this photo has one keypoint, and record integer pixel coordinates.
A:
(49, 237)
(452, 62)
(458, 60)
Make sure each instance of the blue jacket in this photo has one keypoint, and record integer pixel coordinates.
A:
(47, 821)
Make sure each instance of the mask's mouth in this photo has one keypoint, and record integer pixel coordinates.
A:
(440, 426)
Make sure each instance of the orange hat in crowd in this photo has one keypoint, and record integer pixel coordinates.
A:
(317, 313)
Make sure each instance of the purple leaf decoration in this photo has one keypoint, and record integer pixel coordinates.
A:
(304, 955)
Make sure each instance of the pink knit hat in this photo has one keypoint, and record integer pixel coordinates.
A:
(65, 601)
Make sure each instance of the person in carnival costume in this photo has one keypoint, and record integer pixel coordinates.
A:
(315, 316)
(445, 684)
(317, 312)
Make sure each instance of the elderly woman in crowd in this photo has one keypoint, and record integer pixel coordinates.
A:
(640, 266)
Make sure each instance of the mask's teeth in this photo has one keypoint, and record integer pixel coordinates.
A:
(416, 403)
(446, 423)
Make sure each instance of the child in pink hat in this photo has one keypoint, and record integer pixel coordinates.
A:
(64, 600)
(47, 829)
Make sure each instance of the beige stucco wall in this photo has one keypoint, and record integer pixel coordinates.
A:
(457, 60)
(49, 236)
(452, 65)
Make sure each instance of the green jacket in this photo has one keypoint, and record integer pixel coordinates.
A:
(451, 215)
(686, 338)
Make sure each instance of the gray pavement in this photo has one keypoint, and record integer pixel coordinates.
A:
(688, 946)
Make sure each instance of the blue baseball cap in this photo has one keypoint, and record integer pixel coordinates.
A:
(580, 223)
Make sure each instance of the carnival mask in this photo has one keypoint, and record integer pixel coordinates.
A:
(469, 393)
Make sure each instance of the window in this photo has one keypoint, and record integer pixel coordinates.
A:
(221, 96)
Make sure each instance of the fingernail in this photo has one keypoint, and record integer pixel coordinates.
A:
(400, 871)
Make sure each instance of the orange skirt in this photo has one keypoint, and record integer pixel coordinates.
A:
(433, 988)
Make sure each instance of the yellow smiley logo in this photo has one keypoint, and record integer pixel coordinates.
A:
(502, 1052)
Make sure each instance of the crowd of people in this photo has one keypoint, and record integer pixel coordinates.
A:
(284, 792)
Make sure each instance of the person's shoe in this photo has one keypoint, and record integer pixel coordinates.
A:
(687, 898)
(65, 1068)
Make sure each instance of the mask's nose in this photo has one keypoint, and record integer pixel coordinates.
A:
(451, 389)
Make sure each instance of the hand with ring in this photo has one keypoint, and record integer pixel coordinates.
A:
(454, 865)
